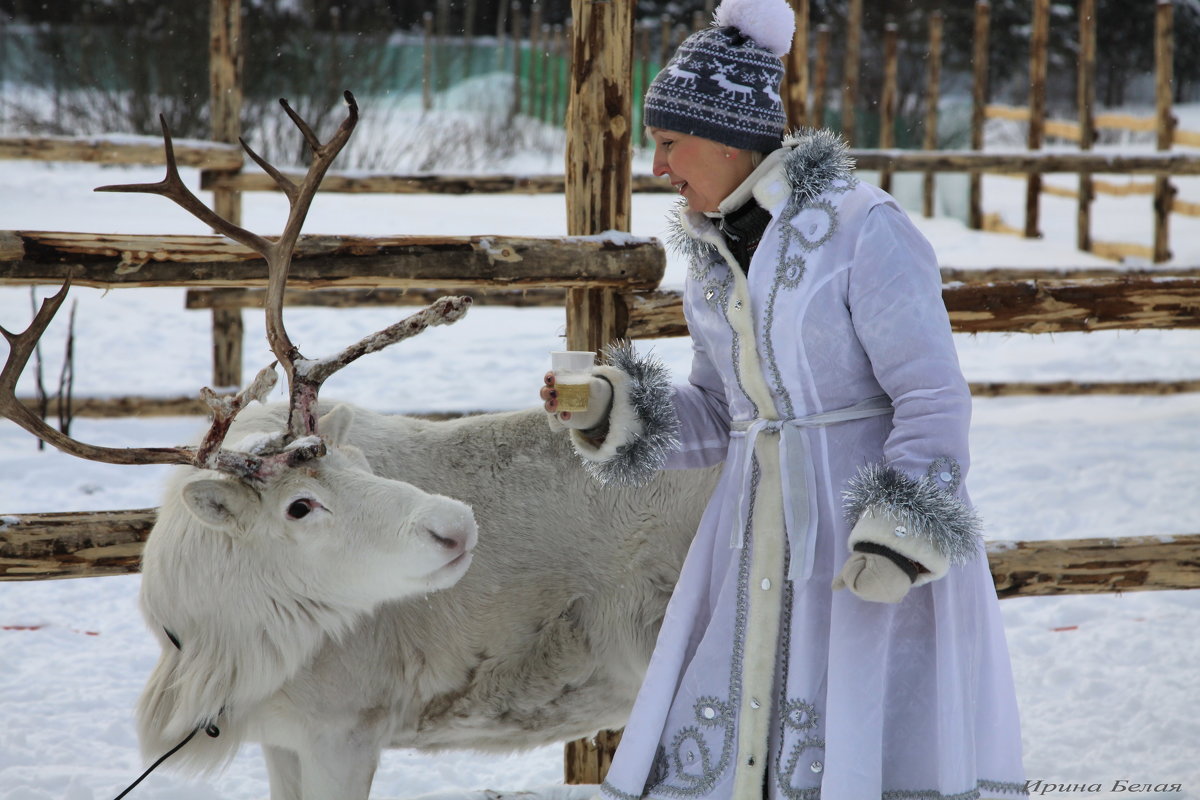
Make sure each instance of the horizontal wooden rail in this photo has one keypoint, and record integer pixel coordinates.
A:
(125, 150)
(357, 298)
(1022, 162)
(1095, 566)
(1028, 161)
(448, 262)
(1182, 207)
(1068, 129)
(1104, 187)
(73, 545)
(97, 543)
(359, 183)
(1019, 306)
(1079, 388)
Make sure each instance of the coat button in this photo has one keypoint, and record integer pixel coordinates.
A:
(816, 766)
(901, 530)
(766, 584)
(946, 477)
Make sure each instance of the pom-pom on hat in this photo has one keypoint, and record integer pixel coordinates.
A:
(723, 82)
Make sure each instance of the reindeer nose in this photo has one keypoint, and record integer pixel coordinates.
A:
(454, 529)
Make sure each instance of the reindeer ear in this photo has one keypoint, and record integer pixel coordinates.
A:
(335, 426)
(218, 503)
(356, 457)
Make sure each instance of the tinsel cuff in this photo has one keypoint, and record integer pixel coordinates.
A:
(925, 517)
(643, 429)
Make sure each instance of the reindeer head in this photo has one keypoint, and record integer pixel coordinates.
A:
(265, 548)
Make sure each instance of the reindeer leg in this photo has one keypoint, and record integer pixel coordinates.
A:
(341, 759)
(283, 771)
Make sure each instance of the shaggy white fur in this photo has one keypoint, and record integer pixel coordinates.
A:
(770, 23)
(546, 637)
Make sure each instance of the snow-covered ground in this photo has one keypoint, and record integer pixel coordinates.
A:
(1106, 683)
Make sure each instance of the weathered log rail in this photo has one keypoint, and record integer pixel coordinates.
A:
(884, 160)
(448, 262)
(1033, 305)
(977, 301)
(370, 183)
(99, 543)
(125, 150)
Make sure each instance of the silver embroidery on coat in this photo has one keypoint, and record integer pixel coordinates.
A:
(945, 470)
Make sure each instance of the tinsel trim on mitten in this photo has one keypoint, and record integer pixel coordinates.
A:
(927, 513)
(643, 427)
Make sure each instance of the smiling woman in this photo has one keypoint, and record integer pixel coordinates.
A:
(703, 171)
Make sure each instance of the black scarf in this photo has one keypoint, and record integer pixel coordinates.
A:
(743, 229)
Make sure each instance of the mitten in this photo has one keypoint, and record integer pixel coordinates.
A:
(876, 577)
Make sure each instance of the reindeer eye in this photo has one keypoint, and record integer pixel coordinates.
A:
(299, 509)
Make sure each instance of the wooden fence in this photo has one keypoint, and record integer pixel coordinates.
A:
(614, 296)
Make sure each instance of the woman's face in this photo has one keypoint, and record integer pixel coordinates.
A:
(703, 171)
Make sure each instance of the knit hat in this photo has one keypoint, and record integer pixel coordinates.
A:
(723, 82)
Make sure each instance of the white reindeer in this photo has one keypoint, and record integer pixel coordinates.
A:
(308, 536)
(681, 76)
(545, 639)
(735, 90)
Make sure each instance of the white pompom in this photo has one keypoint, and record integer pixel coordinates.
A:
(770, 23)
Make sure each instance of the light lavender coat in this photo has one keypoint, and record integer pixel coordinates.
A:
(762, 674)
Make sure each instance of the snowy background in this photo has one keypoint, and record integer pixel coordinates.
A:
(1105, 683)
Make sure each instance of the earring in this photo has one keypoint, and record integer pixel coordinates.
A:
(728, 155)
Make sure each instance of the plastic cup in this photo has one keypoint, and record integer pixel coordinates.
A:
(572, 378)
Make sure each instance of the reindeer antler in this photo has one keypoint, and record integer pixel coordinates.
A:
(304, 376)
(208, 455)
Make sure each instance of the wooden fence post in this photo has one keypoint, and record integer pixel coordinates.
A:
(535, 49)
(887, 103)
(516, 63)
(1164, 53)
(851, 69)
(979, 94)
(225, 98)
(556, 82)
(599, 198)
(427, 62)
(1087, 117)
(933, 90)
(821, 76)
(1039, 45)
(796, 71)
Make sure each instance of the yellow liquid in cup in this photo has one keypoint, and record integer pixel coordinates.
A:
(572, 396)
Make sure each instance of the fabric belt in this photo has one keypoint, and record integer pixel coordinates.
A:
(797, 478)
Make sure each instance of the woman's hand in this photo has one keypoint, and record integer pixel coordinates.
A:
(599, 400)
